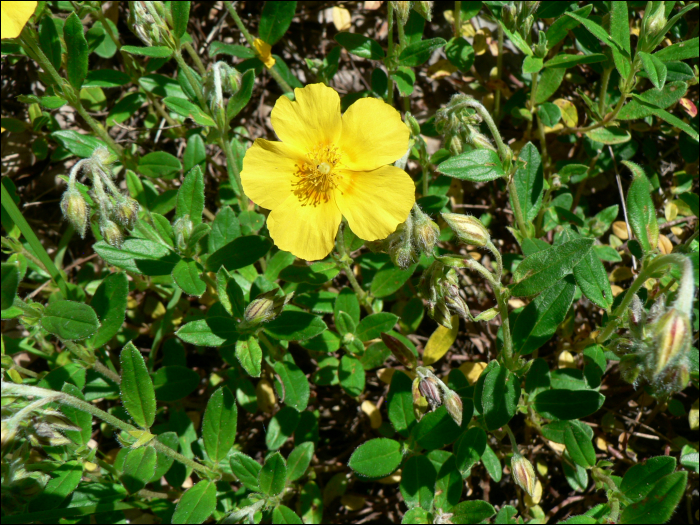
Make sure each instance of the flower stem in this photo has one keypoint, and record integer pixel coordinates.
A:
(195, 58)
(362, 296)
(390, 54)
(499, 72)
(190, 77)
(34, 242)
(458, 18)
(233, 173)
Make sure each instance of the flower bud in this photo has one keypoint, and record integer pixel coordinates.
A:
(402, 11)
(655, 23)
(629, 368)
(429, 389)
(527, 25)
(413, 124)
(673, 379)
(468, 229)
(455, 145)
(126, 212)
(508, 15)
(103, 156)
(111, 233)
(76, 210)
(529, 8)
(182, 228)
(400, 351)
(265, 307)
(420, 405)
(487, 315)
(425, 232)
(402, 255)
(523, 473)
(424, 9)
(9, 432)
(457, 305)
(478, 140)
(672, 335)
(453, 404)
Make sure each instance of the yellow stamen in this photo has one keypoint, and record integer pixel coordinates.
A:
(315, 177)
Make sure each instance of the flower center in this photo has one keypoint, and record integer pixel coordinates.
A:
(315, 178)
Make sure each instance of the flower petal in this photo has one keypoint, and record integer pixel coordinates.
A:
(313, 118)
(306, 231)
(373, 135)
(14, 17)
(268, 171)
(375, 202)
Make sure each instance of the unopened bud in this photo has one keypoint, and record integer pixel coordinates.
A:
(529, 8)
(103, 156)
(478, 140)
(261, 309)
(629, 368)
(508, 15)
(111, 233)
(182, 228)
(527, 25)
(487, 315)
(420, 405)
(457, 305)
(76, 210)
(672, 337)
(9, 432)
(425, 233)
(412, 124)
(523, 473)
(402, 255)
(655, 23)
(453, 404)
(455, 145)
(429, 389)
(424, 9)
(541, 47)
(126, 212)
(400, 351)
(402, 11)
(468, 229)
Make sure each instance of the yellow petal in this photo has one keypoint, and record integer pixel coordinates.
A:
(14, 17)
(313, 118)
(264, 52)
(341, 18)
(268, 172)
(440, 342)
(375, 202)
(373, 135)
(306, 231)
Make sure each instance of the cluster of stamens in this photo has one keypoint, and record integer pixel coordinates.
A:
(315, 178)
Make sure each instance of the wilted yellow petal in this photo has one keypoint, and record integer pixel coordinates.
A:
(373, 413)
(619, 228)
(440, 342)
(265, 395)
(665, 244)
(391, 478)
(616, 290)
(694, 416)
(480, 45)
(536, 495)
(341, 18)
(601, 444)
(441, 69)
(264, 52)
(566, 360)
(472, 370)
(622, 273)
(569, 115)
(385, 375)
(352, 502)
(14, 17)
(677, 231)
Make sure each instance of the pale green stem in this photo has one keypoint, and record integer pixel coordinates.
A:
(511, 436)
(11, 389)
(499, 71)
(98, 366)
(362, 296)
(603, 90)
(190, 77)
(499, 260)
(233, 172)
(458, 19)
(390, 54)
(195, 58)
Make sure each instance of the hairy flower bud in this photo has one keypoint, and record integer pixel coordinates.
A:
(182, 228)
(424, 9)
(478, 140)
(672, 335)
(412, 124)
(429, 389)
(629, 368)
(400, 351)
(673, 379)
(76, 210)
(126, 212)
(453, 404)
(265, 307)
(111, 233)
(425, 232)
(523, 473)
(655, 23)
(487, 315)
(402, 11)
(468, 229)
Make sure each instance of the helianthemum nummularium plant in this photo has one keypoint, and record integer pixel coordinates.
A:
(328, 166)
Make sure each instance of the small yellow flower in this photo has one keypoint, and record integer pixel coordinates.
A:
(264, 52)
(326, 167)
(14, 17)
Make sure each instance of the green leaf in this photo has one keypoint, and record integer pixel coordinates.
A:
(195, 153)
(180, 12)
(212, 331)
(596, 30)
(190, 196)
(217, 48)
(241, 98)
(693, 202)
(654, 68)
(448, 486)
(543, 269)
(275, 19)
(532, 64)
(460, 53)
(151, 52)
(347, 302)
(76, 51)
(137, 392)
(373, 325)
(480, 165)
(125, 109)
(296, 386)
(240, 252)
(317, 273)
(187, 109)
(660, 504)
(609, 136)
(643, 104)
(80, 145)
(295, 326)
(579, 445)
(390, 279)
(174, 382)
(561, 26)
(351, 375)
(282, 427)
(549, 82)
(10, 283)
(640, 209)
(139, 467)
(418, 53)
(469, 448)
(679, 51)
(529, 181)
(187, 276)
(197, 504)
(620, 26)
(676, 122)
(474, 511)
(568, 404)
(139, 256)
(246, 470)
(539, 321)
(249, 355)
(360, 45)
(376, 458)
(219, 424)
(159, 164)
(65, 479)
(436, 429)
(69, 320)
(278, 262)
(404, 78)
(417, 485)
(299, 460)
(592, 278)
(549, 113)
(273, 475)
(81, 419)
(566, 61)
(282, 513)
(639, 480)
(400, 403)
(500, 397)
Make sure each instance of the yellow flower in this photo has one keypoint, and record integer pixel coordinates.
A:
(326, 167)
(14, 17)
(264, 52)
